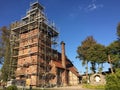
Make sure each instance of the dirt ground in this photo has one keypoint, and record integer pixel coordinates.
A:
(70, 88)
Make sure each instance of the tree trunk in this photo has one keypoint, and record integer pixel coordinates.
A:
(87, 72)
(109, 59)
(98, 68)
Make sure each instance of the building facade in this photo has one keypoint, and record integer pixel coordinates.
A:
(33, 41)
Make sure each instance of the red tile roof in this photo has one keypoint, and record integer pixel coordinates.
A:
(58, 64)
(74, 71)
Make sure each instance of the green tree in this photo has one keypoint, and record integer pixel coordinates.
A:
(118, 31)
(97, 54)
(113, 51)
(83, 53)
(5, 52)
(93, 67)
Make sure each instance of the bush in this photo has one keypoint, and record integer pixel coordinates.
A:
(113, 81)
(13, 87)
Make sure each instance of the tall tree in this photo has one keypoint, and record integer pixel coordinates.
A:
(97, 54)
(83, 49)
(118, 31)
(5, 51)
(113, 51)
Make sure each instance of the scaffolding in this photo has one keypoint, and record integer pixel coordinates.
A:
(33, 40)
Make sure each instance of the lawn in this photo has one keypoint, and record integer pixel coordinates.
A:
(97, 87)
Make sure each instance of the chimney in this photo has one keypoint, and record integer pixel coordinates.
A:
(63, 54)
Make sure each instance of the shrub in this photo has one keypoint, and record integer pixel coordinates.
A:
(13, 87)
(113, 81)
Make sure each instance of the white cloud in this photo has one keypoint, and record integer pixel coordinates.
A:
(93, 6)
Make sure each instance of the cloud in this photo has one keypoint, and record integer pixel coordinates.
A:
(93, 6)
(89, 7)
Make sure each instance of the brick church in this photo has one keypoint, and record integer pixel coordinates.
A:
(33, 46)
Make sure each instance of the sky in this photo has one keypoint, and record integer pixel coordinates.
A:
(75, 20)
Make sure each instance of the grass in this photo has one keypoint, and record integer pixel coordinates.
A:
(95, 87)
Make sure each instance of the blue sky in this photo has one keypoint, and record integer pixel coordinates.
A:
(75, 20)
